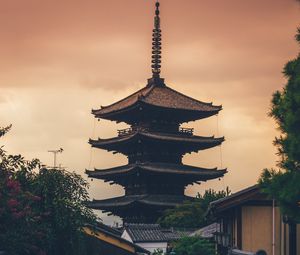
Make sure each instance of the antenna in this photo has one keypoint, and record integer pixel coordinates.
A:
(55, 152)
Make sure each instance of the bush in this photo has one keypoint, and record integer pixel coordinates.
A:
(194, 246)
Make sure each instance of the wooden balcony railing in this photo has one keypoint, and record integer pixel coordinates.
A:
(125, 132)
(187, 131)
(129, 131)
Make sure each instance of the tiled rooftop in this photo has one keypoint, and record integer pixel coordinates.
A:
(162, 200)
(152, 233)
(174, 169)
(199, 142)
(161, 96)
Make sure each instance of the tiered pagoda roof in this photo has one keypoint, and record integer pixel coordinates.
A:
(184, 174)
(182, 142)
(157, 200)
(139, 208)
(157, 96)
(117, 174)
(155, 177)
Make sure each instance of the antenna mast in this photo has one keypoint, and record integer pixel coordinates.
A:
(55, 152)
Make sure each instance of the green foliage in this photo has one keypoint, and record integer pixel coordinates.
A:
(284, 185)
(191, 214)
(298, 35)
(42, 211)
(158, 252)
(187, 215)
(194, 246)
(4, 130)
(63, 197)
(20, 230)
(286, 112)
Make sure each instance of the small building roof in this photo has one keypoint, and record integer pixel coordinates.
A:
(160, 96)
(103, 227)
(143, 233)
(250, 195)
(109, 241)
(207, 231)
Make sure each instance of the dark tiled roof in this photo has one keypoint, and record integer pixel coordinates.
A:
(252, 193)
(103, 227)
(124, 103)
(165, 200)
(161, 96)
(152, 233)
(199, 142)
(158, 200)
(175, 234)
(108, 231)
(207, 231)
(236, 195)
(174, 169)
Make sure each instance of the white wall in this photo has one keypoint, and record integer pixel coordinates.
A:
(154, 246)
(126, 236)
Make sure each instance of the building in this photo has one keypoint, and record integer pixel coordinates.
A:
(104, 240)
(207, 231)
(155, 143)
(152, 237)
(250, 221)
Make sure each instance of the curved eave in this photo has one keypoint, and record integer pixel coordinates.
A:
(128, 201)
(116, 107)
(183, 114)
(190, 172)
(114, 115)
(195, 142)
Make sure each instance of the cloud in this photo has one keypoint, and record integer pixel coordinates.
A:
(60, 59)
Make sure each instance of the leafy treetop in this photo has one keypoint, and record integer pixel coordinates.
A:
(42, 211)
(283, 185)
(191, 214)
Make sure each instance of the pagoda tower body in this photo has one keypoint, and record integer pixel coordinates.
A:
(155, 177)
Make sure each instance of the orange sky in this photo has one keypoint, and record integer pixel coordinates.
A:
(60, 59)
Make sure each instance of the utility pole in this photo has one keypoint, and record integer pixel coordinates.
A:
(55, 154)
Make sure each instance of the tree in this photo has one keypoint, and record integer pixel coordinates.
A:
(19, 222)
(42, 211)
(283, 185)
(158, 252)
(63, 198)
(191, 214)
(194, 246)
(4, 130)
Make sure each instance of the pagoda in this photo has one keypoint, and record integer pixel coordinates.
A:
(155, 177)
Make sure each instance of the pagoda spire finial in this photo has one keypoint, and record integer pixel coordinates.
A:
(156, 44)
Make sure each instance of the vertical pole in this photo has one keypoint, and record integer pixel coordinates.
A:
(54, 160)
(273, 228)
(284, 238)
(239, 229)
(292, 238)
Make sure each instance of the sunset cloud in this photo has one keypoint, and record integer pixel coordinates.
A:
(60, 59)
